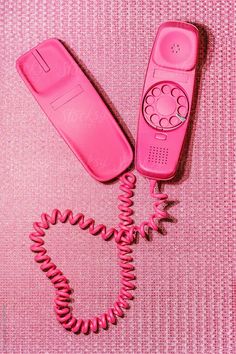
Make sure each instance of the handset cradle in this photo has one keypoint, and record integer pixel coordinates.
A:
(166, 100)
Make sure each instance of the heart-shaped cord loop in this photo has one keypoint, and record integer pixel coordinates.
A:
(124, 236)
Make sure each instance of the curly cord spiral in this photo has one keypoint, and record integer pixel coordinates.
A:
(127, 184)
(124, 237)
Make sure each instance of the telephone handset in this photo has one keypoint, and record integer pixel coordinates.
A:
(75, 109)
(83, 120)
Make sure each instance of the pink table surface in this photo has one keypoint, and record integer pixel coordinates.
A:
(184, 299)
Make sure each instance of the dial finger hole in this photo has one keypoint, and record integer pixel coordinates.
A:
(174, 121)
(149, 109)
(175, 92)
(166, 89)
(181, 100)
(155, 119)
(164, 123)
(156, 92)
(182, 111)
(150, 99)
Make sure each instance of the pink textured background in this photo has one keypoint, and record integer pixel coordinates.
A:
(184, 297)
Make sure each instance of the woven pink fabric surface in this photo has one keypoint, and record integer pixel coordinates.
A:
(184, 299)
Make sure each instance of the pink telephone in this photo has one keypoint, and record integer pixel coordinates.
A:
(83, 120)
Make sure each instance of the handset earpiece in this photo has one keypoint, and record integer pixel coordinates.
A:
(176, 46)
(166, 100)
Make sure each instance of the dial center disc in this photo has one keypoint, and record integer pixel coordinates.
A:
(166, 105)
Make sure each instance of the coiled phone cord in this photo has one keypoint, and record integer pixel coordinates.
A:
(124, 236)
